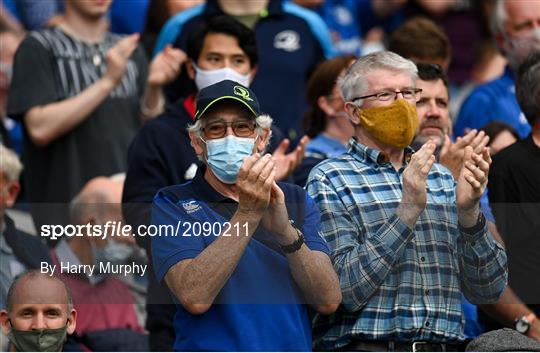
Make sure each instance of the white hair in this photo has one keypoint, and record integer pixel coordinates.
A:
(354, 83)
(498, 16)
(10, 163)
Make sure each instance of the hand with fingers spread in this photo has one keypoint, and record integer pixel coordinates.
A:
(413, 200)
(166, 66)
(451, 155)
(118, 57)
(286, 163)
(471, 184)
(254, 183)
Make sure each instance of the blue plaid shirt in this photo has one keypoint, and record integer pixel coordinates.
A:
(398, 284)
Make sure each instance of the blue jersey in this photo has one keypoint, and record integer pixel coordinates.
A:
(291, 42)
(260, 306)
(495, 100)
(341, 16)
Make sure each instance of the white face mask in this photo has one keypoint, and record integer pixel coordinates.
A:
(205, 78)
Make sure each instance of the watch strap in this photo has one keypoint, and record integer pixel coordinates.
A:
(480, 224)
(296, 245)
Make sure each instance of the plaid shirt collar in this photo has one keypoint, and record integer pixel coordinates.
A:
(371, 156)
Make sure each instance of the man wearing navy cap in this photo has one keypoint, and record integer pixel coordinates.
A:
(241, 253)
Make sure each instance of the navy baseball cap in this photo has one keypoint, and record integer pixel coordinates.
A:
(226, 90)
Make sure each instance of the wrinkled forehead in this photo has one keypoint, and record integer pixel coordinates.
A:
(522, 11)
(383, 79)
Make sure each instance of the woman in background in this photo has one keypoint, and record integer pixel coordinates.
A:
(326, 123)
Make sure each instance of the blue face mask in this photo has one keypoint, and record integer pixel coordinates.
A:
(225, 156)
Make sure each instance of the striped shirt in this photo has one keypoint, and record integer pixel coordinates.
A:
(52, 66)
(398, 284)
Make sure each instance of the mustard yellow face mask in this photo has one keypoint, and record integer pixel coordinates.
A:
(394, 124)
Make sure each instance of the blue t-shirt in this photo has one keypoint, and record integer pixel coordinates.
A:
(325, 147)
(317, 150)
(495, 100)
(260, 306)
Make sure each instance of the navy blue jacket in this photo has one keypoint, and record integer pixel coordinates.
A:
(160, 155)
(28, 249)
(291, 41)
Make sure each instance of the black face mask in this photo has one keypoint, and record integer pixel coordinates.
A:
(46, 340)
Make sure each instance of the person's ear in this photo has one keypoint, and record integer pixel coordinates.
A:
(4, 322)
(13, 189)
(353, 112)
(190, 69)
(71, 322)
(324, 104)
(196, 143)
(252, 73)
(263, 140)
(501, 40)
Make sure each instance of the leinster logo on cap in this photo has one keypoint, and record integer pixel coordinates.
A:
(242, 92)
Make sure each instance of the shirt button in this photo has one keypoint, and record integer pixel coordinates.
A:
(427, 323)
(427, 292)
(422, 259)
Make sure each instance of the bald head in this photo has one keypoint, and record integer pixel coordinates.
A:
(37, 301)
(102, 188)
(98, 197)
(34, 287)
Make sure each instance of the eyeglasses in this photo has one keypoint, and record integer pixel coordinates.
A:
(384, 96)
(242, 128)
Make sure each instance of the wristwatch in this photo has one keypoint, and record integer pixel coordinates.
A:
(523, 324)
(289, 249)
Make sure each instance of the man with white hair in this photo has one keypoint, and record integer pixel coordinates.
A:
(18, 251)
(246, 251)
(516, 27)
(406, 240)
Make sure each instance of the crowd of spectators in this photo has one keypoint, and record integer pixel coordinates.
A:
(358, 175)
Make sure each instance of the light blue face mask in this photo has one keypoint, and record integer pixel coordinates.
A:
(225, 156)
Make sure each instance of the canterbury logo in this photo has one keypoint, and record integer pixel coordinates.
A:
(242, 92)
(190, 206)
